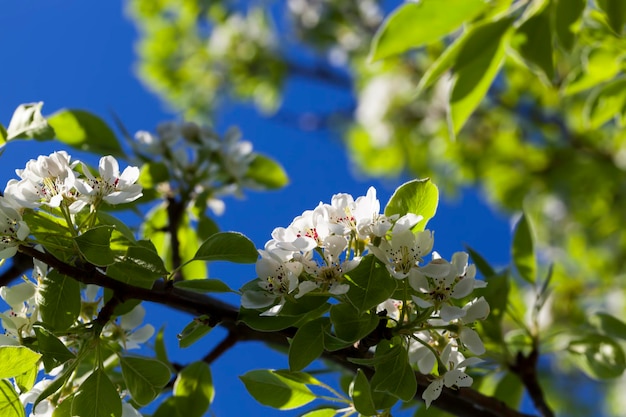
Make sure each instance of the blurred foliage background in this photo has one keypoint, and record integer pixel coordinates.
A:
(524, 99)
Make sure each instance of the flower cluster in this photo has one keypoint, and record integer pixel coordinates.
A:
(53, 182)
(316, 251)
(197, 160)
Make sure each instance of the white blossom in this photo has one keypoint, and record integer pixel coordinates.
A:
(111, 186)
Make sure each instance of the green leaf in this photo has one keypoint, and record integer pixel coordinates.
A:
(3, 135)
(267, 173)
(523, 251)
(227, 246)
(152, 174)
(349, 324)
(159, 346)
(394, 375)
(276, 391)
(615, 11)
(481, 264)
(17, 360)
(194, 331)
(609, 325)
(107, 219)
(95, 245)
(140, 266)
(535, 42)
(307, 344)
(97, 397)
(419, 197)
(59, 300)
(598, 356)
(28, 123)
(371, 284)
(194, 390)
(10, 404)
(468, 46)
(58, 382)
(361, 394)
(475, 68)
(52, 233)
(85, 131)
(144, 377)
(496, 294)
(203, 285)
(54, 352)
(293, 313)
(567, 15)
(413, 25)
(606, 103)
(598, 65)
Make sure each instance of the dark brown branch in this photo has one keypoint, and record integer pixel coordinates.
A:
(464, 402)
(175, 210)
(526, 368)
(228, 342)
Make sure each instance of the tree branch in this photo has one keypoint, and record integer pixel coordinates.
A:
(526, 368)
(464, 402)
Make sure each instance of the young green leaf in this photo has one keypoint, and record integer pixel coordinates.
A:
(307, 344)
(144, 377)
(140, 266)
(95, 245)
(267, 173)
(413, 25)
(523, 251)
(59, 300)
(419, 197)
(10, 404)
(97, 397)
(227, 246)
(481, 264)
(194, 331)
(85, 131)
(361, 394)
(16, 360)
(194, 390)
(322, 412)
(276, 391)
(371, 284)
(606, 103)
(28, 123)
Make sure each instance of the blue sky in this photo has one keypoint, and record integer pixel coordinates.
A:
(80, 54)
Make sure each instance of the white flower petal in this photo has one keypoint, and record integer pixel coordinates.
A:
(432, 391)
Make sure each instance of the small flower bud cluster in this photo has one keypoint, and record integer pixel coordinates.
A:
(195, 156)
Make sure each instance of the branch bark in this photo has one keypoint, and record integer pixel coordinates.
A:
(464, 402)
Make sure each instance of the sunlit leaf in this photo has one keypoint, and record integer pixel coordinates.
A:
(85, 131)
(194, 390)
(414, 24)
(567, 15)
(276, 391)
(10, 404)
(609, 325)
(535, 43)
(16, 360)
(53, 350)
(349, 324)
(267, 173)
(194, 331)
(419, 197)
(608, 102)
(394, 375)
